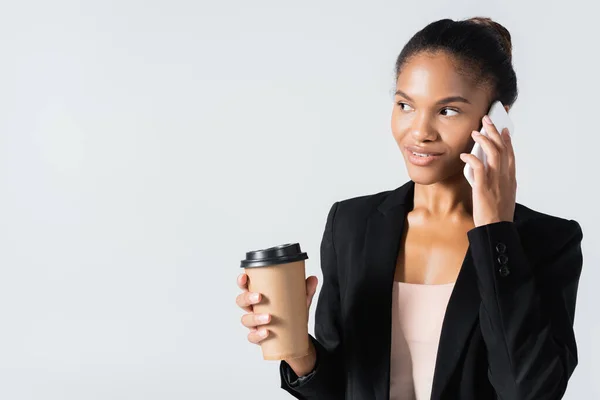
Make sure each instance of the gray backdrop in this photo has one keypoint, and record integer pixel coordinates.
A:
(145, 146)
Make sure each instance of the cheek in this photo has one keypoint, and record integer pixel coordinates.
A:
(399, 126)
(458, 142)
(458, 137)
(465, 145)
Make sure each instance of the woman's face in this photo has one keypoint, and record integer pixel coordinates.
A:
(435, 110)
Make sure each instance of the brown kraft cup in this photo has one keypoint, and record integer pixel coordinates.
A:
(278, 273)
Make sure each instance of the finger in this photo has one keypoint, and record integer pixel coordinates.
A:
(493, 133)
(510, 152)
(252, 320)
(478, 169)
(311, 288)
(498, 140)
(242, 281)
(258, 335)
(245, 300)
(491, 151)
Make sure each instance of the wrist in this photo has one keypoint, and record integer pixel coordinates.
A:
(304, 365)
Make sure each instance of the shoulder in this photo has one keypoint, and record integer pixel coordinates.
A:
(359, 207)
(547, 228)
(349, 215)
(364, 204)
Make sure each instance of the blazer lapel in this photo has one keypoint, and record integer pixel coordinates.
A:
(461, 314)
(382, 243)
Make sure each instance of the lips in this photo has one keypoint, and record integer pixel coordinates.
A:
(422, 161)
(423, 150)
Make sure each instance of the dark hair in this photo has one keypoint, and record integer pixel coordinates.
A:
(481, 46)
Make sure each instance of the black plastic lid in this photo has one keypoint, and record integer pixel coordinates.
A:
(282, 254)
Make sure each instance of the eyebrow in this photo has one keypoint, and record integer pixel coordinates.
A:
(445, 100)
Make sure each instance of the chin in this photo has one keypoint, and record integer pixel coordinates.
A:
(429, 176)
(423, 178)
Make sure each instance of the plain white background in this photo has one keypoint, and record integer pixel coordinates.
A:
(145, 146)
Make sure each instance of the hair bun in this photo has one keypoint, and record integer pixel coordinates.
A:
(500, 31)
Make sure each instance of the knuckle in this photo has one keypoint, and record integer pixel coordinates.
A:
(246, 296)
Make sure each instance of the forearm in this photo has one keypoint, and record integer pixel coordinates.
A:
(529, 357)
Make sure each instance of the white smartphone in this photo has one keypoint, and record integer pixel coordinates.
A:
(500, 119)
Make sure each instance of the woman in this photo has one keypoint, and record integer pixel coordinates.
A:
(438, 289)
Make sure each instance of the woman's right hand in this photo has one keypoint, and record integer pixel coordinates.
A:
(257, 322)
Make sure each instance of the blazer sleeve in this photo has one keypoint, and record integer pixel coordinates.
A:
(527, 311)
(326, 381)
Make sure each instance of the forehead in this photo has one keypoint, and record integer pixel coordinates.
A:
(436, 74)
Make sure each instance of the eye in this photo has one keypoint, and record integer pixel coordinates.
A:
(450, 110)
(401, 104)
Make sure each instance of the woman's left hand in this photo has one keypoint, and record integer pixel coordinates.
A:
(494, 190)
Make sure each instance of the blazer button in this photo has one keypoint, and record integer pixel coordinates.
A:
(504, 271)
(502, 259)
(500, 247)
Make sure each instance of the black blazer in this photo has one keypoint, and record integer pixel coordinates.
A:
(508, 327)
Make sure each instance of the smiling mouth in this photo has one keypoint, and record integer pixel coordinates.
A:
(421, 154)
(422, 159)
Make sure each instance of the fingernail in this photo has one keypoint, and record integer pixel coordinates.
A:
(263, 318)
(262, 332)
(487, 120)
(254, 297)
(475, 133)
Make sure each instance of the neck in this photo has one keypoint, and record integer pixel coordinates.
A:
(450, 198)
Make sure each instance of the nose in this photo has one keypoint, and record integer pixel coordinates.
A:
(421, 129)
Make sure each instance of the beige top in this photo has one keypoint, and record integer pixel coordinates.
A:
(417, 315)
